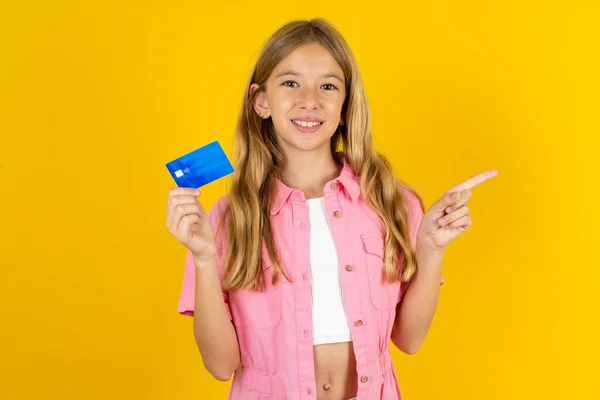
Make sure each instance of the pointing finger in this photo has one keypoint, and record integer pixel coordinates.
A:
(473, 181)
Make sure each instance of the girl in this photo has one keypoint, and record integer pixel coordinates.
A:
(318, 256)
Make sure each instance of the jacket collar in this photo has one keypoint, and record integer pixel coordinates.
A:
(347, 180)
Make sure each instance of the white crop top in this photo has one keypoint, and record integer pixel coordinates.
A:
(330, 320)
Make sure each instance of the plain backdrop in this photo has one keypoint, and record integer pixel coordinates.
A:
(96, 96)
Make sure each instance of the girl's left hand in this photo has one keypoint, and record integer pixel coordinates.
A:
(449, 216)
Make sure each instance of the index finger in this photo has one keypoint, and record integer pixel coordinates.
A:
(473, 181)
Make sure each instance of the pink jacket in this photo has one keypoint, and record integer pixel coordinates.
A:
(274, 328)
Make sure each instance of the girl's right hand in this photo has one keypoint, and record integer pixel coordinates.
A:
(190, 224)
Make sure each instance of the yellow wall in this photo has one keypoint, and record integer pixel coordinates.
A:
(96, 96)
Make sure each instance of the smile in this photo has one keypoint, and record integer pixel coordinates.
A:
(310, 124)
(307, 127)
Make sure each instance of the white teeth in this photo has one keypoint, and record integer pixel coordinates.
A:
(304, 123)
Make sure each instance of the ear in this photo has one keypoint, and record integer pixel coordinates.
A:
(260, 105)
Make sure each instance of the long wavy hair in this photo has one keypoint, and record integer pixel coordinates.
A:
(260, 161)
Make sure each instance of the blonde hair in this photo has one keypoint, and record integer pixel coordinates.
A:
(259, 163)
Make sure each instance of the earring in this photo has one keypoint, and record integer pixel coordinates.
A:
(263, 113)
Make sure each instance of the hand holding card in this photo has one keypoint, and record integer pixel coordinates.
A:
(201, 166)
(190, 224)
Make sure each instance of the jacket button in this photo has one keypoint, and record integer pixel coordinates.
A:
(364, 379)
(337, 214)
(358, 323)
(349, 267)
(334, 186)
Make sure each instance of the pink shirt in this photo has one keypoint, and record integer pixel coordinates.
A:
(274, 328)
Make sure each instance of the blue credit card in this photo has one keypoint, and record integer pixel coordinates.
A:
(201, 166)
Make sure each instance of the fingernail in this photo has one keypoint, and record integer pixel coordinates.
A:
(196, 192)
(448, 210)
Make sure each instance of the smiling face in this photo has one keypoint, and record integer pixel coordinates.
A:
(307, 87)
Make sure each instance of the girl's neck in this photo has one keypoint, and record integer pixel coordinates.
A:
(310, 171)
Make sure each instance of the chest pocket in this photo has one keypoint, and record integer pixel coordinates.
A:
(384, 295)
(258, 309)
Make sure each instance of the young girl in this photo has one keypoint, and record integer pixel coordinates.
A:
(318, 256)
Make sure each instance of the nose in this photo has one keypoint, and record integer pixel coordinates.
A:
(308, 97)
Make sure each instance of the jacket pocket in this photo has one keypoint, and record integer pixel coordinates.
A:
(384, 295)
(262, 387)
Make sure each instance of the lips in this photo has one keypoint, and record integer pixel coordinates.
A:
(307, 129)
(307, 123)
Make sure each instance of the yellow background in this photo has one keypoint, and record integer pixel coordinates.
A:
(96, 96)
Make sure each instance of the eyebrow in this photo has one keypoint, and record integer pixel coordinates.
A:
(292, 72)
